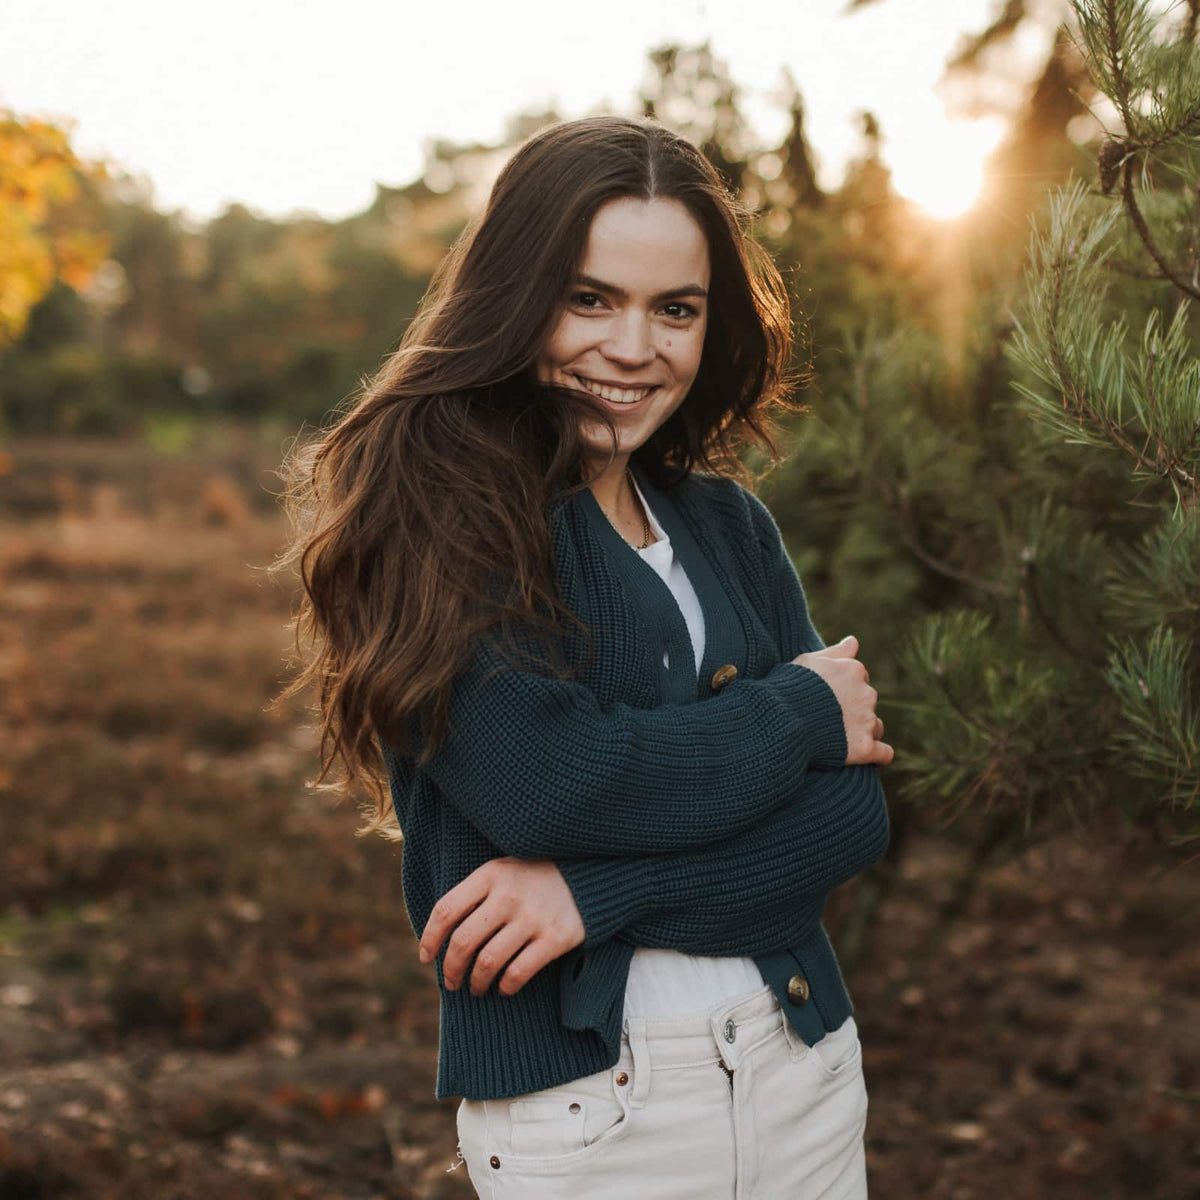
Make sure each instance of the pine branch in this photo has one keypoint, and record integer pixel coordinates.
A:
(1033, 578)
(1139, 223)
(897, 502)
(1129, 272)
(1117, 67)
(1172, 131)
(1075, 396)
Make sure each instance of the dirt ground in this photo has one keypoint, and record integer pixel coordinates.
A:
(208, 986)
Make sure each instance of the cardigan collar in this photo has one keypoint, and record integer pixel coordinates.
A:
(724, 634)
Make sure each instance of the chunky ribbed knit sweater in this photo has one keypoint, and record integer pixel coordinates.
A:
(711, 816)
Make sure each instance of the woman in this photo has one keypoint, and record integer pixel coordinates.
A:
(626, 769)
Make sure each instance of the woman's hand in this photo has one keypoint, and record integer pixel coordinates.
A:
(512, 911)
(851, 685)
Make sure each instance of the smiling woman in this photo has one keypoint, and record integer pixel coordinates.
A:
(565, 646)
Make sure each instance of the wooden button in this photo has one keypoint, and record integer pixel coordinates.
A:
(798, 991)
(722, 676)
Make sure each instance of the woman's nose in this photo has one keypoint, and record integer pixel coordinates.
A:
(630, 343)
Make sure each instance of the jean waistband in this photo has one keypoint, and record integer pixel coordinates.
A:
(724, 1033)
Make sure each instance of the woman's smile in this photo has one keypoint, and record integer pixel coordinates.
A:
(621, 395)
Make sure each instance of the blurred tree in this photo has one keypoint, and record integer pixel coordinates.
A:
(44, 238)
(39, 176)
(156, 312)
(797, 169)
(690, 90)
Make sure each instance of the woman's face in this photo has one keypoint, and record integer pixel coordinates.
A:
(632, 325)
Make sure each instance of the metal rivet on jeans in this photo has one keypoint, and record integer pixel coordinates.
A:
(574, 1108)
(622, 1079)
(730, 1031)
(494, 1161)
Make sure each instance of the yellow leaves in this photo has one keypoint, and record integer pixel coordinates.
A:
(78, 253)
(40, 177)
(38, 166)
(26, 270)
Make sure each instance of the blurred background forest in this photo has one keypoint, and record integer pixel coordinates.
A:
(207, 983)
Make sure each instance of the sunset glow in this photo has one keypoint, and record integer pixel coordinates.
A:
(942, 169)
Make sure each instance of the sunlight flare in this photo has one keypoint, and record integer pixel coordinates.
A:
(940, 168)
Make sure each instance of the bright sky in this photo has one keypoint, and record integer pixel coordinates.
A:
(292, 104)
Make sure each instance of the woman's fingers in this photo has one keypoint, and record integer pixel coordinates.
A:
(448, 911)
(537, 954)
(491, 961)
(862, 749)
(473, 931)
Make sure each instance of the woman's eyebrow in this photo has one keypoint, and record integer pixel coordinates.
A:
(688, 289)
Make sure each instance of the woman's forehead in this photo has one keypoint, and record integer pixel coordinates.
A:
(646, 246)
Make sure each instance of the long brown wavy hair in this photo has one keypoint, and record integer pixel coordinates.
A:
(435, 480)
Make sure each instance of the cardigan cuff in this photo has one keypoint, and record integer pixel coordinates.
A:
(610, 893)
(820, 715)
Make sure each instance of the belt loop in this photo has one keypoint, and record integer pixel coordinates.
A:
(641, 1062)
(797, 1046)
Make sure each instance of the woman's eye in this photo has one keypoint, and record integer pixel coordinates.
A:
(688, 310)
(580, 297)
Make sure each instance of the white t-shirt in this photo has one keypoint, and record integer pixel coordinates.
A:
(669, 983)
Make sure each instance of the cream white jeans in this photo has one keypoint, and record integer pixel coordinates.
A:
(727, 1106)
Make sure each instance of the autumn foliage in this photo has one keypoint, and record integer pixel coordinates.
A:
(40, 239)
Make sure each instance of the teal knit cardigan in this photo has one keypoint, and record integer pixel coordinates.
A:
(711, 821)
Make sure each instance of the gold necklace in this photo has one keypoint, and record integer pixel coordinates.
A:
(645, 518)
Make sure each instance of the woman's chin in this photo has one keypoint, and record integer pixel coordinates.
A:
(598, 447)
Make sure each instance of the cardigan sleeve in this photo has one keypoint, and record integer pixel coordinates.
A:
(735, 897)
(542, 769)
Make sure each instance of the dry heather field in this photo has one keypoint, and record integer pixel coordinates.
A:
(208, 985)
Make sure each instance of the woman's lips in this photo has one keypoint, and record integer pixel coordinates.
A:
(616, 397)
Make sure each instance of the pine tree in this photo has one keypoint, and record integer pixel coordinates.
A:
(1067, 682)
(1088, 380)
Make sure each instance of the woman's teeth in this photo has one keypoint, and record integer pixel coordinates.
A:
(615, 395)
